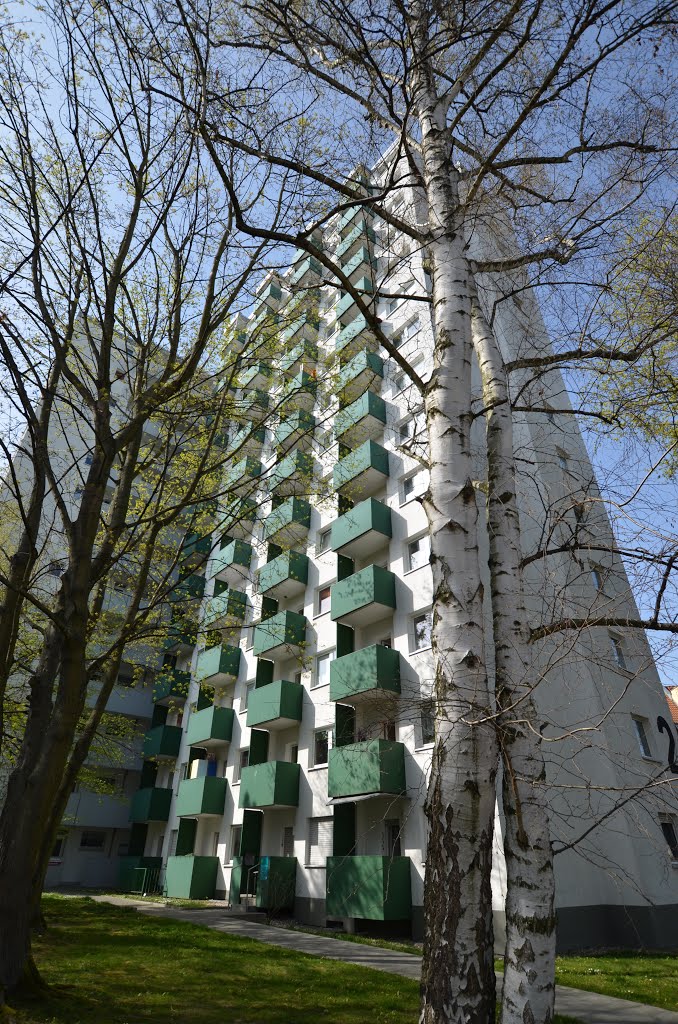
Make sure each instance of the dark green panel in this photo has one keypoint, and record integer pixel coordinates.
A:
(264, 672)
(137, 839)
(371, 888)
(343, 840)
(186, 836)
(250, 842)
(345, 724)
(191, 878)
(149, 773)
(258, 746)
(371, 766)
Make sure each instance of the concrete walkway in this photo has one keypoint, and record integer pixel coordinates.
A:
(587, 1007)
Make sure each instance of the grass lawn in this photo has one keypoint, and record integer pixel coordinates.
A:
(644, 977)
(109, 965)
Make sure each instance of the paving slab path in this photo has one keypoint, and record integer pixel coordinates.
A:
(587, 1007)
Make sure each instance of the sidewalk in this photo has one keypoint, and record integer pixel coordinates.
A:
(587, 1007)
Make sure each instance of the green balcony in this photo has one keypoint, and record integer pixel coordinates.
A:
(256, 376)
(276, 883)
(188, 589)
(225, 611)
(202, 797)
(281, 636)
(371, 888)
(195, 548)
(306, 271)
(364, 212)
(365, 370)
(277, 705)
(285, 576)
(218, 666)
(364, 597)
(237, 518)
(372, 767)
(293, 474)
(347, 308)
(271, 784)
(171, 686)
(288, 523)
(162, 741)
(191, 877)
(306, 301)
(180, 638)
(150, 804)
(366, 674)
(362, 472)
(269, 296)
(242, 477)
(355, 337)
(362, 420)
(249, 440)
(300, 391)
(302, 354)
(231, 564)
(361, 261)
(362, 530)
(211, 727)
(355, 239)
(302, 328)
(297, 430)
(254, 402)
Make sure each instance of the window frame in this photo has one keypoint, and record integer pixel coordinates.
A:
(642, 736)
(328, 655)
(317, 732)
(318, 610)
(672, 845)
(408, 555)
(425, 614)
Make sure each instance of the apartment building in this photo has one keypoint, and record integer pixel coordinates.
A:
(291, 736)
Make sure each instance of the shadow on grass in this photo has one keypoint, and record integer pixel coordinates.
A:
(114, 966)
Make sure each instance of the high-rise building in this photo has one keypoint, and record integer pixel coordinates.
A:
(289, 749)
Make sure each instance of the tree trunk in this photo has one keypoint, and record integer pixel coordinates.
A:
(457, 970)
(529, 968)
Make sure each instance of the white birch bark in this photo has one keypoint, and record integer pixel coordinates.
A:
(458, 981)
(528, 989)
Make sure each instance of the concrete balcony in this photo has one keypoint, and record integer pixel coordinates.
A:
(362, 472)
(202, 798)
(210, 728)
(225, 611)
(237, 518)
(364, 597)
(277, 705)
(359, 234)
(364, 675)
(362, 213)
(302, 329)
(253, 403)
(162, 742)
(355, 337)
(301, 355)
(306, 272)
(187, 589)
(97, 810)
(362, 420)
(347, 309)
(218, 666)
(191, 878)
(270, 784)
(370, 888)
(300, 392)
(281, 636)
(269, 296)
(297, 430)
(150, 804)
(362, 530)
(361, 263)
(372, 767)
(365, 370)
(293, 474)
(285, 576)
(171, 686)
(231, 564)
(288, 523)
(195, 548)
(242, 477)
(256, 376)
(249, 440)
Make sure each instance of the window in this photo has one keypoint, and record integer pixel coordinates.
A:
(562, 459)
(597, 577)
(418, 553)
(234, 845)
(242, 762)
(323, 542)
(668, 828)
(321, 676)
(420, 637)
(249, 686)
(288, 841)
(640, 725)
(385, 642)
(392, 837)
(297, 677)
(406, 489)
(320, 840)
(159, 844)
(406, 430)
(321, 746)
(427, 721)
(391, 306)
(322, 600)
(293, 753)
(92, 840)
(174, 835)
(215, 844)
(59, 844)
(550, 417)
(617, 650)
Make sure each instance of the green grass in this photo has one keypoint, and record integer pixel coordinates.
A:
(643, 977)
(112, 965)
